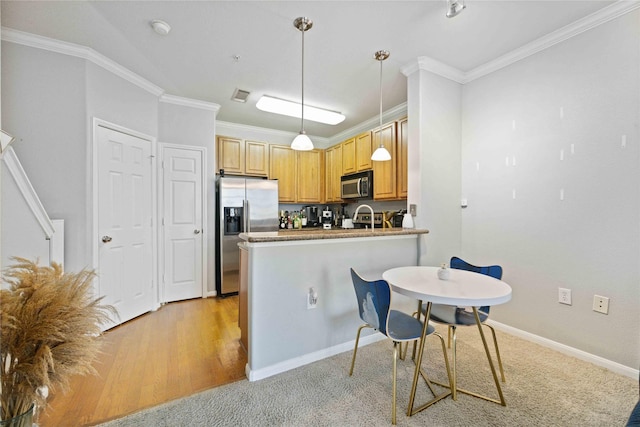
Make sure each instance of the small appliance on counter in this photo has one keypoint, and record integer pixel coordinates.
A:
(311, 213)
(327, 218)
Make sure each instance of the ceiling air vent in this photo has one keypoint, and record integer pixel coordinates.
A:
(240, 95)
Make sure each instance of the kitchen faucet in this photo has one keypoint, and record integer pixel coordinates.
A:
(355, 215)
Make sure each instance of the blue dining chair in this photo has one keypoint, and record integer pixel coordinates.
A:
(374, 308)
(459, 316)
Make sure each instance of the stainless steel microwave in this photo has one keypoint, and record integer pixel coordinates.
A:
(357, 185)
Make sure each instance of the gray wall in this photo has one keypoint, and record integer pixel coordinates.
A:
(519, 127)
(186, 125)
(43, 104)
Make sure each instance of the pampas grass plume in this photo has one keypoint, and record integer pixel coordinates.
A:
(50, 328)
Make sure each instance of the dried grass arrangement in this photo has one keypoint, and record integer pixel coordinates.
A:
(50, 326)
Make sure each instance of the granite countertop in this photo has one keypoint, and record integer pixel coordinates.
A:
(321, 234)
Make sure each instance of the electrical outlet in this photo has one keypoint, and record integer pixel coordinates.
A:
(601, 304)
(312, 299)
(564, 296)
(412, 209)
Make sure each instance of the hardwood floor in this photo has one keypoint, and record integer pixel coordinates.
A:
(182, 348)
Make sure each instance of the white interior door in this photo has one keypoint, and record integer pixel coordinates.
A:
(182, 222)
(125, 270)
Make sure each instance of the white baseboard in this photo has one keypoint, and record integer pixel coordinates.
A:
(259, 374)
(565, 349)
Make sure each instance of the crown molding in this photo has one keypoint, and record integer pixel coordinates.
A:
(78, 51)
(393, 113)
(188, 102)
(600, 17)
(429, 64)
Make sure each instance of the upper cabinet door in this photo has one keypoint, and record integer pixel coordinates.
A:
(384, 173)
(333, 161)
(282, 166)
(310, 185)
(231, 155)
(349, 164)
(403, 168)
(363, 152)
(256, 158)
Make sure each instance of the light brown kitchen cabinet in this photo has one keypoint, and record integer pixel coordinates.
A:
(239, 157)
(282, 166)
(349, 163)
(300, 174)
(402, 164)
(385, 173)
(333, 173)
(230, 155)
(363, 152)
(256, 158)
(310, 176)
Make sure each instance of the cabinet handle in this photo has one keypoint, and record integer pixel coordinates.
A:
(106, 239)
(196, 231)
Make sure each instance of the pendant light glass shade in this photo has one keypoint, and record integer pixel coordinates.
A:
(302, 142)
(381, 154)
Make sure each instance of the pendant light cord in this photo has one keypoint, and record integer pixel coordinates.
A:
(380, 130)
(303, 29)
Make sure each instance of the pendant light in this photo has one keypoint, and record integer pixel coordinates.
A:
(381, 153)
(302, 141)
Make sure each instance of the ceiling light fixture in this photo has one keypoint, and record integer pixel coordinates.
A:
(271, 104)
(160, 27)
(454, 7)
(302, 142)
(381, 154)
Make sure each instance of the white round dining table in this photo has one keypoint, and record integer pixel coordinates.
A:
(462, 288)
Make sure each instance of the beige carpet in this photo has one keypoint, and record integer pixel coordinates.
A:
(543, 388)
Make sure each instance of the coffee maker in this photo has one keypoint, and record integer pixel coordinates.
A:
(327, 218)
(311, 212)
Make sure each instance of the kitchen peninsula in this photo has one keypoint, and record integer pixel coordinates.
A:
(281, 271)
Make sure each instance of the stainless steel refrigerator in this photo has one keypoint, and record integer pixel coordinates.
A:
(242, 205)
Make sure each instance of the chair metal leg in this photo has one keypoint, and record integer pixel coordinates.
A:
(495, 343)
(446, 359)
(493, 369)
(355, 349)
(454, 378)
(395, 370)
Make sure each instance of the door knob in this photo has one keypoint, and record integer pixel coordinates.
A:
(196, 231)
(106, 239)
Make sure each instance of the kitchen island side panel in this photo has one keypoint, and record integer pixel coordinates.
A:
(283, 333)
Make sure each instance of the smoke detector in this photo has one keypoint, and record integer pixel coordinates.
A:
(160, 27)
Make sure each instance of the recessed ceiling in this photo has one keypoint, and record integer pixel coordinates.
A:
(215, 47)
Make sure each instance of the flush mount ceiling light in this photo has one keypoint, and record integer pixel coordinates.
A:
(454, 7)
(302, 141)
(381, 154)
(294, 109)
(160, 27)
